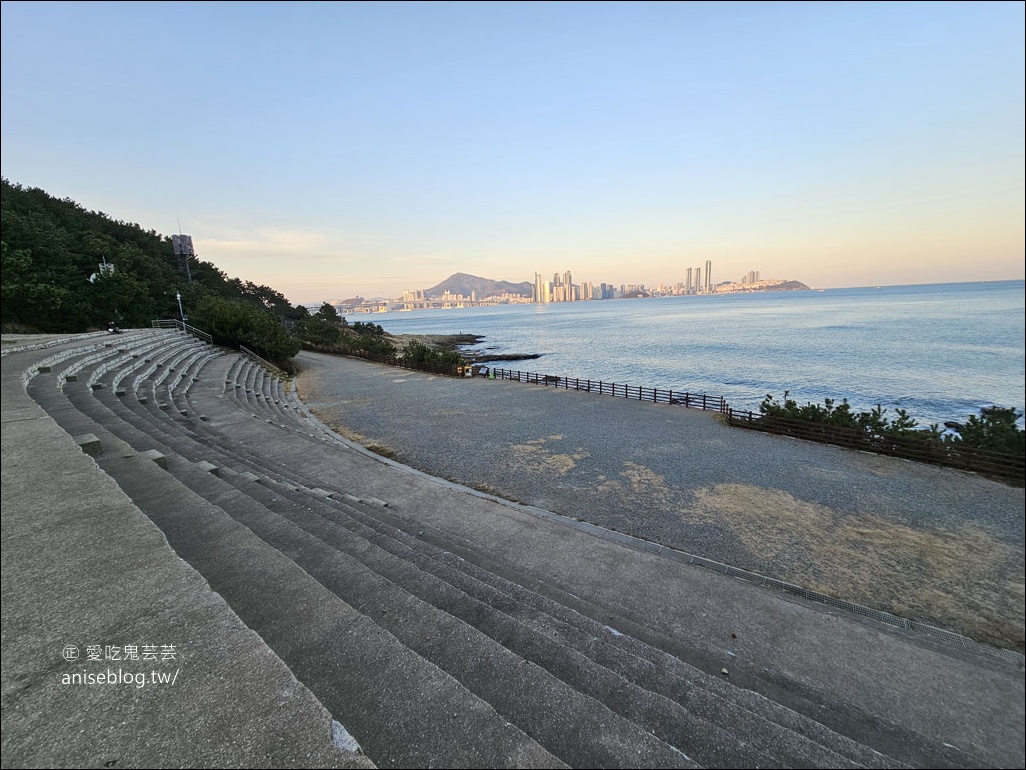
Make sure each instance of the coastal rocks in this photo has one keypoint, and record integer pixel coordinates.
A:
(449, 342)
(488, 357)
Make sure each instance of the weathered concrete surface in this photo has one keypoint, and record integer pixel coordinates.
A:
(83, 566)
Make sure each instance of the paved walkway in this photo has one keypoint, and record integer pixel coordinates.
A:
(924, 542)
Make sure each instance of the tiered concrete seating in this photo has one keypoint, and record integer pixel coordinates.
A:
(235, 364)
(178, 389)
(83, 566)
(445, 629)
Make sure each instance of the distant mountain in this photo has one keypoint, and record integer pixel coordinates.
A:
(462, 283)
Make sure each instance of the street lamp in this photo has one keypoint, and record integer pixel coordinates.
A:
(178, 294)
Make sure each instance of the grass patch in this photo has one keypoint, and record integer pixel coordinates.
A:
(534, 457)
(963, 580)
(490, 490)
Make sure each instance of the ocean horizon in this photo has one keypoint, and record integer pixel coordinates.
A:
(939, 351)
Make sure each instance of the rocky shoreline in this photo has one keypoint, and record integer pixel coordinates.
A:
(459, 343)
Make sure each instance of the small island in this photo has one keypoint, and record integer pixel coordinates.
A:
(772, 284)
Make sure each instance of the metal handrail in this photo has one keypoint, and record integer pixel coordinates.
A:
(174, 323)
(638, 392)
(276, 370)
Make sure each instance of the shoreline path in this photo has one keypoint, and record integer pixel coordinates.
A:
(926, 543)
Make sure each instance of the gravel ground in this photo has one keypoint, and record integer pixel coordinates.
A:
(933, 544)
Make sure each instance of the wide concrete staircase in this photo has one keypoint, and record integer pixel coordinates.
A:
(434, 645)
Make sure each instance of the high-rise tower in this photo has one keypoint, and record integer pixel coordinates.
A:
(541, 288)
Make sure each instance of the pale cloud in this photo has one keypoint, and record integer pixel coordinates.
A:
(309, 266)
(275, 242)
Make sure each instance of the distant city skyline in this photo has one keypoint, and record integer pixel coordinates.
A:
(561, 288)
(330, 149)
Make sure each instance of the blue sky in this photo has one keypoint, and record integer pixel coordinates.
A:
(334, 149)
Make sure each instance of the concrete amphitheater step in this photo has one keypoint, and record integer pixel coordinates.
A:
(671, 720)
(467, 596)
(481, 663)
(376, 687)
(579, 729)
(666, 718)
(81, 563)
(621, 741)
(690, 711)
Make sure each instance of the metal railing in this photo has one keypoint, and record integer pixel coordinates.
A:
(277, 371)
(174, 323)
(637, 392)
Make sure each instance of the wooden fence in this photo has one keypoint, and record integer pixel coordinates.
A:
(1009, 468)
(637, 392)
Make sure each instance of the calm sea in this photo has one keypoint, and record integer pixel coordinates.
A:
(939, 351)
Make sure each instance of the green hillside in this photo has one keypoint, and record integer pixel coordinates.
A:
(52, 280)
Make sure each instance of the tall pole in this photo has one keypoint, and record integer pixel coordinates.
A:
(178, 294)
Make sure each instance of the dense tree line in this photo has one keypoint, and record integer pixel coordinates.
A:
(326, 331)
(53, 254)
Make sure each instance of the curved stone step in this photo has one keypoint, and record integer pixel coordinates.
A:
(770, 739)
(384, 693)
(620, 738)
(672, 723)
(791, 722)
